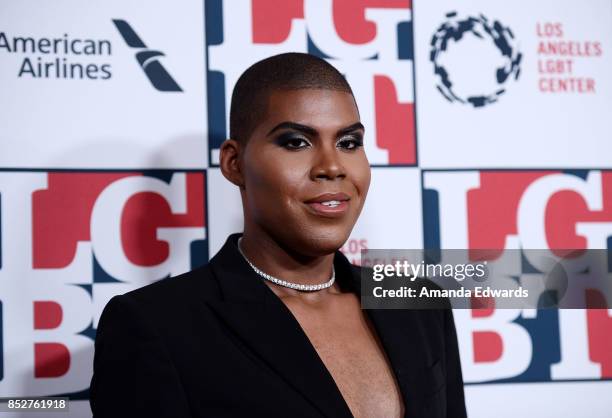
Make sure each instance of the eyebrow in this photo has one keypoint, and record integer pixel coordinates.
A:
(311, 131)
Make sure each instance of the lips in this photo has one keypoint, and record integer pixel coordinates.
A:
(326, 197)
(329, 204)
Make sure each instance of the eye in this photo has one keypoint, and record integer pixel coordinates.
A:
(293, 142)
(350, 142)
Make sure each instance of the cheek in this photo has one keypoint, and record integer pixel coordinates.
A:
(362, 176)
(275, 180)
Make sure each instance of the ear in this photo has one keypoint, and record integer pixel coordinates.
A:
(229, 161)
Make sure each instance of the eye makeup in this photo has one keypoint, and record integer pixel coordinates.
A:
(292, 141)
(295, 141)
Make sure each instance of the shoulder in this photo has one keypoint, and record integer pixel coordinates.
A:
(164, 303)
(199, 283)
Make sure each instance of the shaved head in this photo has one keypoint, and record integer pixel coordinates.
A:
(290, 71)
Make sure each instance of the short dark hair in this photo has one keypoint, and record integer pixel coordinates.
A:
(289, 71)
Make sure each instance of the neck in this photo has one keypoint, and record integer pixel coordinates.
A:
(281, 261)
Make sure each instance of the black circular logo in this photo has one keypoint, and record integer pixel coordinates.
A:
(453, 30)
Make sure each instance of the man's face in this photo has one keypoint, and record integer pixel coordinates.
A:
(306, 175)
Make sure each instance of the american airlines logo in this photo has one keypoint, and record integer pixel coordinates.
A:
(147, 58)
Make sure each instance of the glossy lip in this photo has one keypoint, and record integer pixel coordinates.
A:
(325, 197)
(319, 209)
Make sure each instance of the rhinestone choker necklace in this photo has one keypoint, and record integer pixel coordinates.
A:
(296, 286)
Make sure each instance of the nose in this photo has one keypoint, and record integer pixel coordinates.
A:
(327, 164)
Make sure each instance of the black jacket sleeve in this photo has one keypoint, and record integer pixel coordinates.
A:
(133, 374)
(454, 380)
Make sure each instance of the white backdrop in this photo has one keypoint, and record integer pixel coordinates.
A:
(488, 126)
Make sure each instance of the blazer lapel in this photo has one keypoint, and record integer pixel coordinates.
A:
(404, 341)
(263, 322)
(404, 338)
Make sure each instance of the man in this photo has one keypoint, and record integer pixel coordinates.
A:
(272, 326)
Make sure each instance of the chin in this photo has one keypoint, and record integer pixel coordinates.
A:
(323, 241)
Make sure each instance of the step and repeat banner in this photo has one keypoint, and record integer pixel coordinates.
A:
(489, 125)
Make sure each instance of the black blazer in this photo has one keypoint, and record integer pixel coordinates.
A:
(217, 342)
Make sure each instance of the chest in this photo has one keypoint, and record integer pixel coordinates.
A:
(349, 347)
